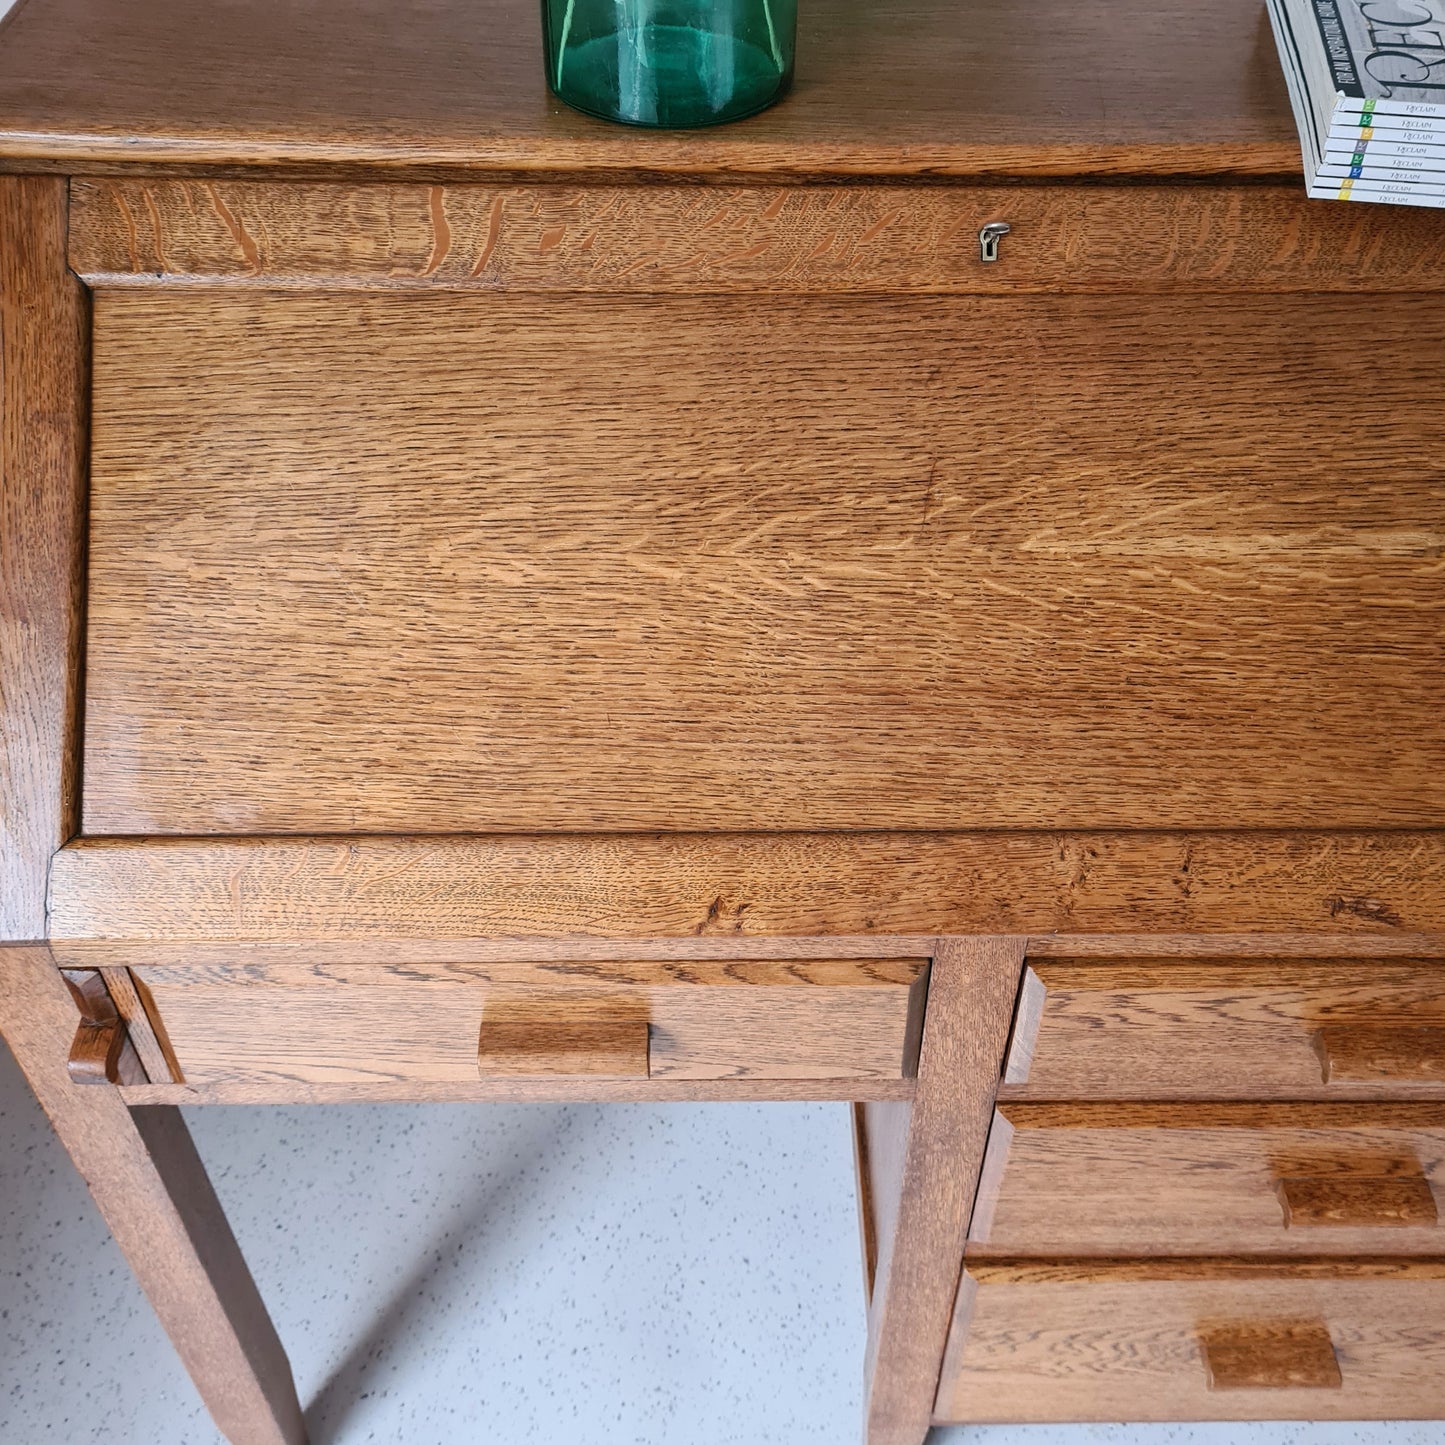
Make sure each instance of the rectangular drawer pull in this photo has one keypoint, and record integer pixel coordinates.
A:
(610, 1048)
(1324, 1201)
(1270, 1355)
(1351, 1054)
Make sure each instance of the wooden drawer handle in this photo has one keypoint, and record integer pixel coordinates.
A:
(95, 1052)
(544, 1048)
(100, 1052)
(1270, 1355)
(1363, 1054)
(1356, 1201)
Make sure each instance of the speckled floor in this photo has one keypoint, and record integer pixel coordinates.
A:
(624, 1275)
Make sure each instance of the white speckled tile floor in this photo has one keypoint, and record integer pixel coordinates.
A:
(591, 1275)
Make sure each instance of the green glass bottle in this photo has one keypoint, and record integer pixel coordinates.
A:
(669, 63)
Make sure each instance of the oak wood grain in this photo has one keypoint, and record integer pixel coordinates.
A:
(1270, 1355)
(881, 1143)
(1204, 1179)
(958, 1335)
(1259, 949)
(830, 1020)
(131, 1006)
(972, 987)
(1124, 1347)
(146, 1178)
(1399, 1054)
(861, 238)
(1344, 1201)
(896, 968)
(369, 895)
(100, 1052)
(43, 349)
(1212, 1268)
(685, 564)
(1263, 947)
(1228, 1028)
(920, 88)
(198, 956)
(991, 1176)
(1028, 1017)
(610, 1048)
(90, 996)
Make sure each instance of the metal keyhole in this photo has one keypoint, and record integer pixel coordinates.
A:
(989, 237)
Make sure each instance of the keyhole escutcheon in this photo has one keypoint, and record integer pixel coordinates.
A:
(989, 237)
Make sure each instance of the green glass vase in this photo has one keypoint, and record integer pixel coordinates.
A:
(669, 63)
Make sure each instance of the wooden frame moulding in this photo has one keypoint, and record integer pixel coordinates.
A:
(44, 350)
(117, 901)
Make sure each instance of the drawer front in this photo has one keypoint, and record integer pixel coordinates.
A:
(1119, 1344)
(1106, 1179)
(597, 563)
(455, 1023)
(758, 238)
(1264, 1029)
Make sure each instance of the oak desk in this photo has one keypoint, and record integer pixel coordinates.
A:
(499, 606)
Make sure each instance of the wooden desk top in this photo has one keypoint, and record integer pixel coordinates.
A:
(912, 87)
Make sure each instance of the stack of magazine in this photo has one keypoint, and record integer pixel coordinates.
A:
(1367, 82)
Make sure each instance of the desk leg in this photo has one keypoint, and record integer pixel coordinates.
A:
(150, 1185)
(922, 1162)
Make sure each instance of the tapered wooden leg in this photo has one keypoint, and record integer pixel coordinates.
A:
(921, 1161)
(149, 1183)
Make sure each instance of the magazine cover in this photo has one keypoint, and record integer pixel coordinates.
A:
(1387, 54)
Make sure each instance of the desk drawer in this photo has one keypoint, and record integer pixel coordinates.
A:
(1230, 1030)
(1210, 1341)
(454, 1023)
(1111, 1179)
